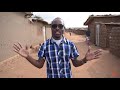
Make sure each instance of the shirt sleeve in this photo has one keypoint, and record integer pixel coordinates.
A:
(74, 52)
(41, 53)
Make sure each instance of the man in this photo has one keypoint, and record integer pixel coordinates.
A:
(57, 52)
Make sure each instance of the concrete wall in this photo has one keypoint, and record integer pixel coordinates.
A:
(48, 32)
(14, 27)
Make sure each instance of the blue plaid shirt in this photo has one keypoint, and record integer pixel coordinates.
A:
(58, 57)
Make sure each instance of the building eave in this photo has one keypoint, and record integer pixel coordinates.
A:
(98, 16)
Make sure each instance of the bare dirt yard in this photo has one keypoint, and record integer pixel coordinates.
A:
(107, 66)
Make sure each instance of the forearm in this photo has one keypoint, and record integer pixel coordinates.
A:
(78, 63)
(36, 63)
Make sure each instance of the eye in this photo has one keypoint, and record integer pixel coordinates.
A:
(60, 26)
(54, 26)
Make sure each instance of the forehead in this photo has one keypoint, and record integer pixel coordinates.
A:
(57, 21)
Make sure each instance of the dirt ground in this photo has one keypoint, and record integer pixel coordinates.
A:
(107, 66)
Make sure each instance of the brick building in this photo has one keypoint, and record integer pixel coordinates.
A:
(99, 27)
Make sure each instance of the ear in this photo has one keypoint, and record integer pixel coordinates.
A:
(64, 27)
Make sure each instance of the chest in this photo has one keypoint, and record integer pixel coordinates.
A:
(55, 51)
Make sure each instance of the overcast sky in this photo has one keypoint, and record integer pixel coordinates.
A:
(71, 19)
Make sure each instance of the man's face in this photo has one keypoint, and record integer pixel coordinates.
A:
(57, 28)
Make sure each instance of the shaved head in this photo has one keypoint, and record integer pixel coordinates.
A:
(56, 19)
(57, 27)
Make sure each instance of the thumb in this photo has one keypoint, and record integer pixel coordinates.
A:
(26, 47)
(89, 49)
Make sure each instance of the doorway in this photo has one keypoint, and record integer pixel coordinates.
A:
(97, 34)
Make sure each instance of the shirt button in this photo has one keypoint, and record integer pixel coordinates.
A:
(59, 62)
(61, 71)
(62, 76)
(59, 52)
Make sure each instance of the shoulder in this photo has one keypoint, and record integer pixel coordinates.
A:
(46, 42)
(70, 42)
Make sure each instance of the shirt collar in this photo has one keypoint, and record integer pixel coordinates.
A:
(63, 40)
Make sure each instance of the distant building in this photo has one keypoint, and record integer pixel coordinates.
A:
(79, 31)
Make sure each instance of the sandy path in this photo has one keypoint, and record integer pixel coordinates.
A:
(108, 66)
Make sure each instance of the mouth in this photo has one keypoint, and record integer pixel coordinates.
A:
(57, 33)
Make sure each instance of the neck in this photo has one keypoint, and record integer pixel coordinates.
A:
(57, 38)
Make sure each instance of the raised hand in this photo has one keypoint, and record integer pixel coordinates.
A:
(93, 55)
(20, 50)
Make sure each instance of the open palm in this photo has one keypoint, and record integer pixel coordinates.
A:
(93, 55)
(20, 50)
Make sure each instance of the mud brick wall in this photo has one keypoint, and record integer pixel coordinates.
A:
(115, 41)
(91, 27)
(103, 36)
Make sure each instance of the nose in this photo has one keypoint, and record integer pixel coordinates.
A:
(57, 27)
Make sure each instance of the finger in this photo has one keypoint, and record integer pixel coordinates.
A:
(89, 49)
(26, 47)
(98, 54)
(97, 51)
(20, 45)
(18, 48)
(15, 51)
(96, 57)
(15, 48)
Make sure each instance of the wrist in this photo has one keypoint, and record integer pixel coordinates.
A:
(84, 60)
(27, 57)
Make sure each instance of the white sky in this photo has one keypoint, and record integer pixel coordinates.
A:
(71, 19)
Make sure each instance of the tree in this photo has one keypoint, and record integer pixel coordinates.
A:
(38, 17)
